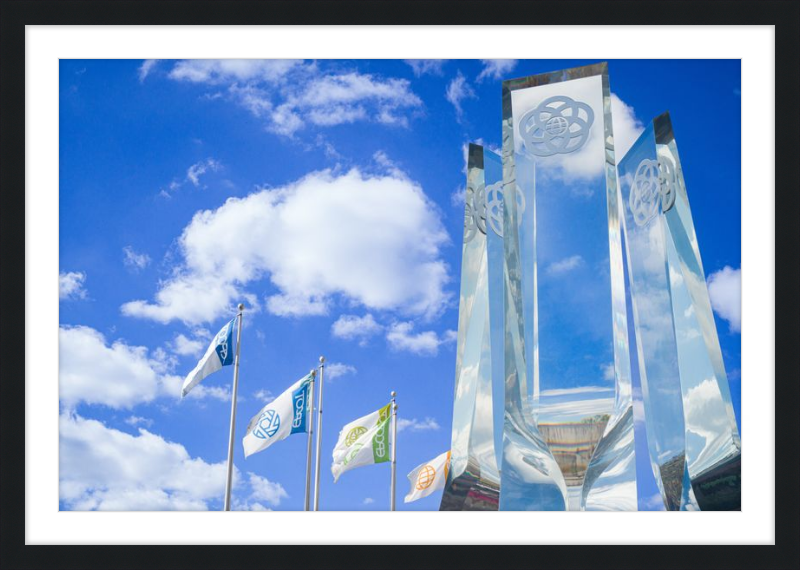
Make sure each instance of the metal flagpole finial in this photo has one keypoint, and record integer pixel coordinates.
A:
(241, 307)
(313, 372)
(322, 361)
(394, 393)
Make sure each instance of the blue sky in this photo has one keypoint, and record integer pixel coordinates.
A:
(326, 196)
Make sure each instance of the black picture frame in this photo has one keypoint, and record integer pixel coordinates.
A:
(16, 14)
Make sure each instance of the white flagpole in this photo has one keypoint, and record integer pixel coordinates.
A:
(310, 440)
(233, 408)
(319, 434)
(394, 447)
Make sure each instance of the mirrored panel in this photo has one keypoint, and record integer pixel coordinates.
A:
(694, 443)
(473, 481)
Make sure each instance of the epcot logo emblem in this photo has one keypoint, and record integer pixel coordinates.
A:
(654, 182)
(486, 204)
(268, 425)
(559, 125)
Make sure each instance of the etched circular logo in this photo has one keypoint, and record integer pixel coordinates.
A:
(494, 206)
(268, 424)
(474, 212)
(354, 434)
(425, 477)
(559, 125)
(653, 182)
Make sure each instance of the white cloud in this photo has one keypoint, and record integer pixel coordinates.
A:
(627, 127)
(725, 290)
(138, 420)
(337, 369)
(119, 376)
(105, 469)
(458, 90)
(555, 392)
(188, 347)
(266, 490)
(400, 336)
(288, 94)
(373, 241)
(496, 68)
(147, 66)
(351, 327)
(564, 265)
(428, 424)
(195, 171)
(608, 371)
(70, 285)
(217, 71)
(135, 261)
(424, 66)
(369, 501)
(652, 503)
(264, 396)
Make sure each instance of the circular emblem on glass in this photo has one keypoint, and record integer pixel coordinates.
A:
(474, 212)
(494, 207)
(268, 424)
(559, 125)
(425, 477)
(654, 182)
(354, 434)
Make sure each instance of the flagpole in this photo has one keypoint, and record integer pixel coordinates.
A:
(310, 440)
(233, 408)
(319, 434)
(394, 447)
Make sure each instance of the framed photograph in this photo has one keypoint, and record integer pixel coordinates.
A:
(532, 258)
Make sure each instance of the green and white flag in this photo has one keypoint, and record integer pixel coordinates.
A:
(365, 441)
(285, 415)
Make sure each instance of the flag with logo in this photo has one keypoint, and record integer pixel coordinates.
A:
(219, 354)
(428, 477)
(364, 441)
(284, 416)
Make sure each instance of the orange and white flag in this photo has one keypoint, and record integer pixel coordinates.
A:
(428, 477)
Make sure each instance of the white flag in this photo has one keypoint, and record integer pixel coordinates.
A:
(285, 415)
(364, 441)
(428, 477)
(219, 354)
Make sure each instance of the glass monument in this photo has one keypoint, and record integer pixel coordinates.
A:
(694, 444)
(568, 422)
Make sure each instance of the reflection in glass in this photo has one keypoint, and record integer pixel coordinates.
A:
(473, 481)
(568, 439)
(695, 449)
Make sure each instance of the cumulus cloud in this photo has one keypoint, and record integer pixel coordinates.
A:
(352, 327)
(401, 337)
(428, 424)
(264, 396)
(138, 420)
(496, 68)
(119, 375)
(627, 127)
(134, 261)
(185, 346)
(725, 290)
(426, 66)
(457, 91)
(370, 240)
(70, 285)
(337, 369)
(267, 491)
(564, 265)
(105, 469)
(289, 95)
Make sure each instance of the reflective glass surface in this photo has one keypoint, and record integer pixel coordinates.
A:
(473, 481)
(695, 448)
(568, 388)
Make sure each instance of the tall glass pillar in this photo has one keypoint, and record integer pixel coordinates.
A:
(568, 424)
(695, 449)
(473, 481)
